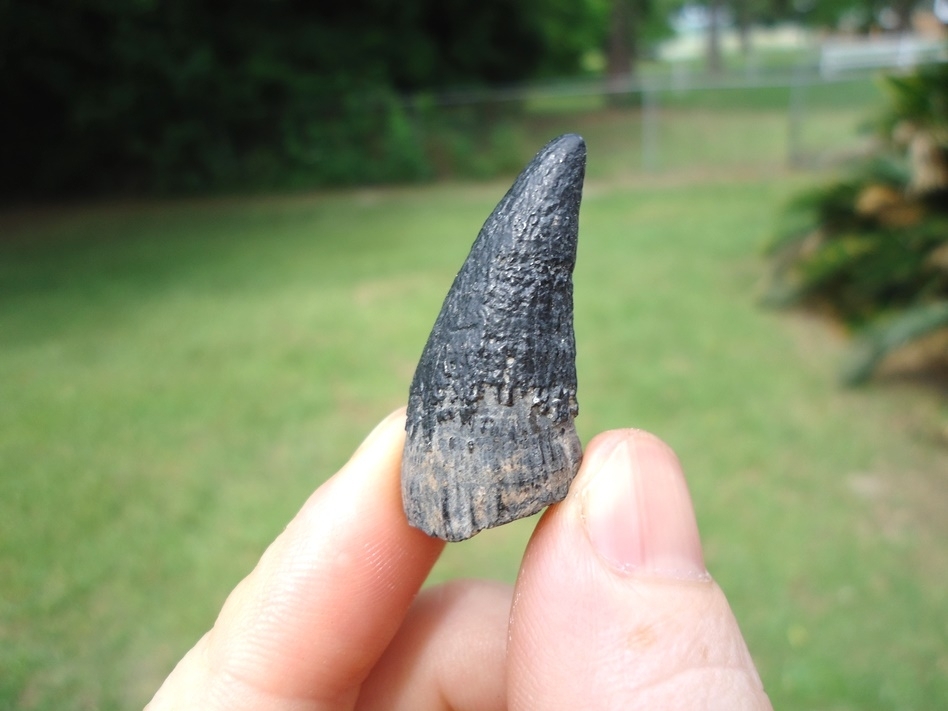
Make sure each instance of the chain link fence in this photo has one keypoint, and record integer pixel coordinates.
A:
(674, 120)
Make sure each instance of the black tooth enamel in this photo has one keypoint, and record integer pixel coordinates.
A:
(499, 369)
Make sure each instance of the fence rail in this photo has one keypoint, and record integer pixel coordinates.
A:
(901, 52)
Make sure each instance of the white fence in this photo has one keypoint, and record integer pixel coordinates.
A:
(900, 52)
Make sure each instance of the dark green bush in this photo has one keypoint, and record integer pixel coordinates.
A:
(106, 96)
(872, 248)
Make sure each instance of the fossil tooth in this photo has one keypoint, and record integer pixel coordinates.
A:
(490, 433)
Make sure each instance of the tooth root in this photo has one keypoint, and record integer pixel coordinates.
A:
(490, 433)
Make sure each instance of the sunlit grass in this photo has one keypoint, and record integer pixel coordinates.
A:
(175, 380)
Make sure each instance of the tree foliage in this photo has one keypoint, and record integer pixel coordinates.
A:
(198, 94)
(863, 15)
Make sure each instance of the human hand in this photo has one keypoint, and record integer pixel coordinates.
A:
(612, 609)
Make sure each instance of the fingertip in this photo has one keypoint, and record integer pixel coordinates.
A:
(393, 423)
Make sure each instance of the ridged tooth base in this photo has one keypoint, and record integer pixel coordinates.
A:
(508, 462)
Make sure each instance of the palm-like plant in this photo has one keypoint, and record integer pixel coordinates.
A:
(873, 246)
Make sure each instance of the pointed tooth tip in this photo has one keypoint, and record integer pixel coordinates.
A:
(569, 147)
(569, 142)
(558, 167)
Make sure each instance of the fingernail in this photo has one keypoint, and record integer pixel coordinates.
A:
(638, 513)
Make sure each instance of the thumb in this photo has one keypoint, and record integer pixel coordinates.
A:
(613, 607)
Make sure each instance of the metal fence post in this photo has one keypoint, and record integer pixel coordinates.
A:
(795, 116)
(650, 126)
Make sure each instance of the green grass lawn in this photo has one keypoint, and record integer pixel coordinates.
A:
(176, 378)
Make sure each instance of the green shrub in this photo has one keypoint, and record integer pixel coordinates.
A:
(872, 248)
(193, 96)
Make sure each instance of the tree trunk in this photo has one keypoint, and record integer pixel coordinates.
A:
(622, 51)
(622, 54)
(743, 25)
(714, 37)
(904, 9)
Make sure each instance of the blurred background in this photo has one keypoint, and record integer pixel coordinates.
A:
(227, 228)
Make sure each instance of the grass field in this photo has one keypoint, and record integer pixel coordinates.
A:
(176, 378)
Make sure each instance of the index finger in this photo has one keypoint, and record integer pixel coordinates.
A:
(306, 626)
